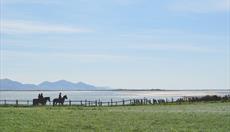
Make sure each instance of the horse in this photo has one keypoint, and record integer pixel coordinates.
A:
(41, 101)
(59, 101)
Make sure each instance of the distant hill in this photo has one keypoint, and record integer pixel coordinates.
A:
(63, 84)
(7, 84)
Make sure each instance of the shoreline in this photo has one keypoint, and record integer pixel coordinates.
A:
(132, 90)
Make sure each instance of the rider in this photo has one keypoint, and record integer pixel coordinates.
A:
(39, 96)
(59, 95)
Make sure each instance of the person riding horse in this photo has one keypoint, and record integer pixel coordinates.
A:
(59, 97)
(41, 100)
(59, 100)
(40, 97)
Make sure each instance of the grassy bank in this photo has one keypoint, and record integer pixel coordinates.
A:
(186, 117)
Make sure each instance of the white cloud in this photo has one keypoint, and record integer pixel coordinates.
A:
(200, 6)
(10, 55)
(184, 41)
(23, 27)
(175, 47)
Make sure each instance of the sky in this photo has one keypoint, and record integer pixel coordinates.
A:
(165, 44)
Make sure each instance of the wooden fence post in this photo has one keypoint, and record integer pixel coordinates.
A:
(69, 102)
(123, 102)
(111, 102)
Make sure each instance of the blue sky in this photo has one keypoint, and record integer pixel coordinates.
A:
(168, 44)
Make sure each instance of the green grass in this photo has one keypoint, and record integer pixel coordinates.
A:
(185, 117)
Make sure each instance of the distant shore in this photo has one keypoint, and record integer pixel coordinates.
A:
(126, 90)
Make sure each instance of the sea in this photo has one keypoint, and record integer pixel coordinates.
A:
(108, 95)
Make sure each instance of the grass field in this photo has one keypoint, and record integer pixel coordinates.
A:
(185, 117)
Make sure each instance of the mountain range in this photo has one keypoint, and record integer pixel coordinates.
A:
(7, 84)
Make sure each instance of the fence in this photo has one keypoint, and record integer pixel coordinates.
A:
(112, 102)
(124, 102)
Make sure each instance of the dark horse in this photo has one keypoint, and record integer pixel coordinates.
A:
(41, 101)
(59, 101)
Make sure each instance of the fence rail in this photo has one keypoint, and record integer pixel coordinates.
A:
(123, 102)
(91, 102)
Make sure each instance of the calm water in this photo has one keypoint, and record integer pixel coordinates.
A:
(107, 95)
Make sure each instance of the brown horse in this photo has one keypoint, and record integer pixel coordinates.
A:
(59, 101)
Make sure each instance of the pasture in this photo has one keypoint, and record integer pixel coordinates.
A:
(170, 117)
